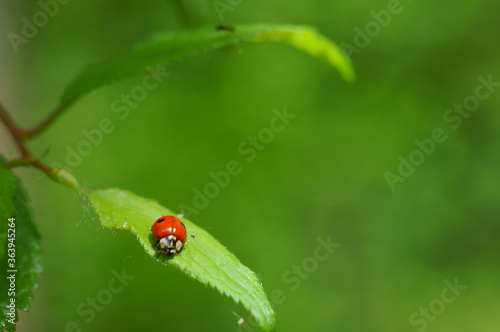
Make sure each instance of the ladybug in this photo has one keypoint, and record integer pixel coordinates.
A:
(170, 234)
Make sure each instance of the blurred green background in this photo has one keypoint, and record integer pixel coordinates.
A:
(322, 176)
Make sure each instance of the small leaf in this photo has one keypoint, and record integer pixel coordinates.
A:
(203, 257)
(170, 46)
(27, 264)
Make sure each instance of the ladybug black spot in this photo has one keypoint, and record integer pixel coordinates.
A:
(160, 220)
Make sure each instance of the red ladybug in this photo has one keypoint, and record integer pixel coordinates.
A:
(170, 234)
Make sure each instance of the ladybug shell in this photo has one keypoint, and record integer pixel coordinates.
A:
(169, 225)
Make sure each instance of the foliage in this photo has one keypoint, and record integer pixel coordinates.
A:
(204, 258)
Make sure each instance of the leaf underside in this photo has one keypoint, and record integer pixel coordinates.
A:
(167, 47)
(203, 257)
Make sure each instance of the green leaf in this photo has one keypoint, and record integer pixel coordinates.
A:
(203, 257)
(27, 264)
(167, 47)
(8, 189)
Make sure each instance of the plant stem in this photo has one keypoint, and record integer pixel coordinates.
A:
(15, 132)
(27, 159)
(17, 162)
(18, 135)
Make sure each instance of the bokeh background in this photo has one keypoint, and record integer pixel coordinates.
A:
(322, 176)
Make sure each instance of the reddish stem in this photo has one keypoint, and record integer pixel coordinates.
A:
(18, 134)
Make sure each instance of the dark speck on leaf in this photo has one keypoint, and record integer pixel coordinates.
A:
(222, 27)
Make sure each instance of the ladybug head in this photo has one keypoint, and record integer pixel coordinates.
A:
(170, 245)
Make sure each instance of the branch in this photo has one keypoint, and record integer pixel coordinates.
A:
(18, 134)
(27, 159)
